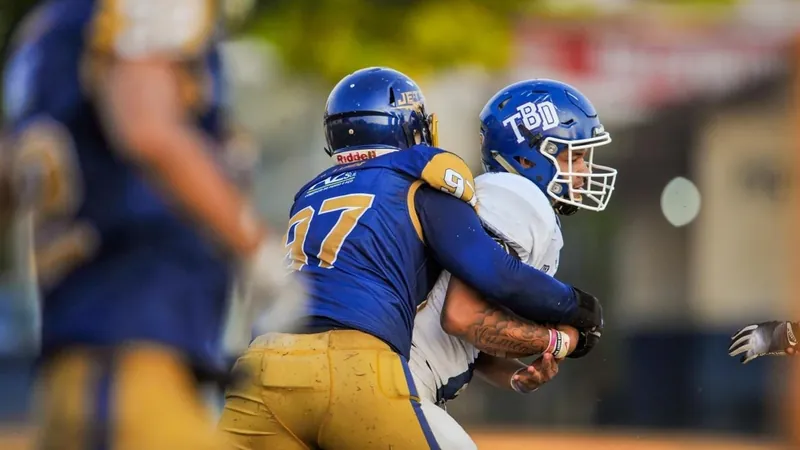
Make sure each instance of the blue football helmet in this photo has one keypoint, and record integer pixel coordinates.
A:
(373, 111)
(528, 124)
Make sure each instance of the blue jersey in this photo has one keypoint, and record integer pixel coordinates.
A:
(372, 237)
(115, 261)
(355, 235)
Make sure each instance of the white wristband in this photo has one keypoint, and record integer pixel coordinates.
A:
(559, 344)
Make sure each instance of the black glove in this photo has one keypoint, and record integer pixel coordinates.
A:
(587, 339)
(589, 314)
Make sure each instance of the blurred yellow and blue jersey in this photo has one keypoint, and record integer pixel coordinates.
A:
(355, 235)
(115, 260)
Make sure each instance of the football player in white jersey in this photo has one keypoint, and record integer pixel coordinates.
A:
(537, 142)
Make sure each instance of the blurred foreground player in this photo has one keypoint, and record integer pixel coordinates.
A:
(538, 139)
(114, 150)
(371, 236)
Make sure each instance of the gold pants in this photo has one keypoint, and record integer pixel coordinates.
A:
(142, 397)
(335, 390)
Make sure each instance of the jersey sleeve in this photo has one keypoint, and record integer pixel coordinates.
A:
(456, 239)
(441, 170)
(133, 29)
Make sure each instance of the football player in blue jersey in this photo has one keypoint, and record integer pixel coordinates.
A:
(116, 137)
(370, 236)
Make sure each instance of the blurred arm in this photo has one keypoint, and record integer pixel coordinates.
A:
(141, 45)
(141, 104)
(457, 240)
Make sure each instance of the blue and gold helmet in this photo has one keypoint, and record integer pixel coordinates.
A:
(376, 110)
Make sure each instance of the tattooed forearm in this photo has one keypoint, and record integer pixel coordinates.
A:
(490, 328)
(500, 333)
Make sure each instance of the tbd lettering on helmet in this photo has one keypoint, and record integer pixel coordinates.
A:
(533, 116)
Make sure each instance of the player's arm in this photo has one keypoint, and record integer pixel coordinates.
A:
(498, 332)
(139, 94)
(456, 238)
(141, 102)
(765, 338)
(515, 375)
(138, 78)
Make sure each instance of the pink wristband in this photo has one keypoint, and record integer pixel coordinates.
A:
(552, 343)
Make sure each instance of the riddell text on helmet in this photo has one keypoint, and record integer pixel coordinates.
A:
(355, 156)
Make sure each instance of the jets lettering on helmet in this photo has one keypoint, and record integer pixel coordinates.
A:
(533, 116)
(410, 100)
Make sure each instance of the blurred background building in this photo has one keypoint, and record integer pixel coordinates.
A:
(705, 91)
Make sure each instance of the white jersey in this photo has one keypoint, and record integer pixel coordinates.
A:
(518, 213)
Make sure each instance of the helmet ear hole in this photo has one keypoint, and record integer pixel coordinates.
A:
(524, 162)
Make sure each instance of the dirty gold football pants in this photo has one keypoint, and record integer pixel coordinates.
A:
(139, 397)
(339, 389)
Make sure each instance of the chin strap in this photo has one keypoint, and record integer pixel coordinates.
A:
(563, 209)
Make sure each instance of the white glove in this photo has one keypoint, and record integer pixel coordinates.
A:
(765, 338)
(267, 296)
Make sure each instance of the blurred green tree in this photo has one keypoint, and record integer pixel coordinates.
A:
(332, 37)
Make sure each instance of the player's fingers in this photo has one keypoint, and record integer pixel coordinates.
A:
(739, 338)
(549, 367)
(533, 380)
(537, 364)
(530, 379)
(746, 329)
(537, 368)
(739, 350)
(547, 362)
(739, 343)
(734, 350)
(553, 371)
(533, 372)
(747, 358)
